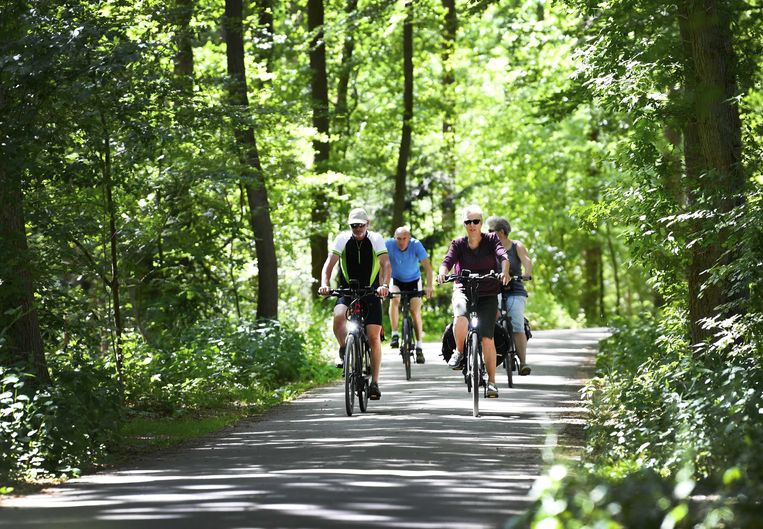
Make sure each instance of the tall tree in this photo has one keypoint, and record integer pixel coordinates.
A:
(321, 148)
(18, 316)
(183, 37)
(254, 181)
(712, 149)
(447, 198)
(341, 108)
(401, 179)
(21, 342)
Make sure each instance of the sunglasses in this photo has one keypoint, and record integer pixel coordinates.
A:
(356, 226)
(472, 221)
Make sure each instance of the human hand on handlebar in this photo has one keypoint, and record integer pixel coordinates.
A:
(382, 291)
(323, 290)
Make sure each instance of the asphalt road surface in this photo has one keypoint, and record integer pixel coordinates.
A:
(416, 459)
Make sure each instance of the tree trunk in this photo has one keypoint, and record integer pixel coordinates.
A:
(591, 296)
(321, 149)
(399, 205)
(712, 150)
(254, 183)
(182, 15)
(447, 195)
(345, 71)
(18, 317)
(114, 283)
(263, 37)
(615, 270)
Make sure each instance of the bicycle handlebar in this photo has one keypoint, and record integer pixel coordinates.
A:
(353, 292)
(467, 277)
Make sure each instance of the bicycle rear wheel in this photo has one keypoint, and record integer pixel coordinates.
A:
(350, 382)
(363, 376)
(474, 361)
(407, 347)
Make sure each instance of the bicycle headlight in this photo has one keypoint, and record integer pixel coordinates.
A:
(352, 326)
(474, 322)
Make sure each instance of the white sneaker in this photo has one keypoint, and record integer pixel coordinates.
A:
(455, 360)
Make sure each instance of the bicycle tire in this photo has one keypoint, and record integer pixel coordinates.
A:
(407, 346)
(363, 373)
(509, 360)
(350, 370)
(474, 362)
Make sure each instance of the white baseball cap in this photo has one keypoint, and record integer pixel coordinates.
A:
(358, 216)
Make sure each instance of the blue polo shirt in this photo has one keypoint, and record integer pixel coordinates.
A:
(405, 265)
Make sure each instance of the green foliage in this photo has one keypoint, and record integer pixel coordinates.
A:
(213, 363)
(55, 431)
(574, 497)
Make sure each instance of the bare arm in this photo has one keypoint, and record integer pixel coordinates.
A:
(328, 267)
(428, 271)
(385, 272)
(527, 263)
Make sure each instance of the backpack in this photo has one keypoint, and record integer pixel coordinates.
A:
(449, 343)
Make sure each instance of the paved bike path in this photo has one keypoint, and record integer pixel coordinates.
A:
(417, 459)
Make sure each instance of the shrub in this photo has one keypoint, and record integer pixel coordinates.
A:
(56, 430)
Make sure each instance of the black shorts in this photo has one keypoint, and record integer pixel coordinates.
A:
(372, 307)
(406, 286)
(487, 307)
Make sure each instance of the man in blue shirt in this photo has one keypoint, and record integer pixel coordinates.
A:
(406, 255)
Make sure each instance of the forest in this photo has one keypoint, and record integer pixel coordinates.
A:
(171, 175)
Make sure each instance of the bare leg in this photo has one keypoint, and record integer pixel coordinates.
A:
(340, 324)
(460, 328)
(374, 339)
(488, 352)
(394, 312)
(520, 340)
(416, 314)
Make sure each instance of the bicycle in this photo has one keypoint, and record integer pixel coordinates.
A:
(475, 373)
(510, 358)
(408, 343)
(357, 351)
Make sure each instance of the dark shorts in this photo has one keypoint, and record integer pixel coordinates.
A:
(406, 286)
(372, 307)
(487, 306)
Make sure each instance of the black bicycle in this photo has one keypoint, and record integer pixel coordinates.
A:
(510, 357)
(357, 351)
(475, 373)
(407, 342)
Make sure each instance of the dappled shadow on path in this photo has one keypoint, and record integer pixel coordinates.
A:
(417, 459)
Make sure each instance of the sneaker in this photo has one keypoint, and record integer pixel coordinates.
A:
(419, 356)
(524, 370)
(373, 391)
(339, 362)
(492, 391)
(395, 342)
(455, 360)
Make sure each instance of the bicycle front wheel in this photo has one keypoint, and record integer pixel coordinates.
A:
(407, 347)
(363, 376)
(474, 361)
(350, 370)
